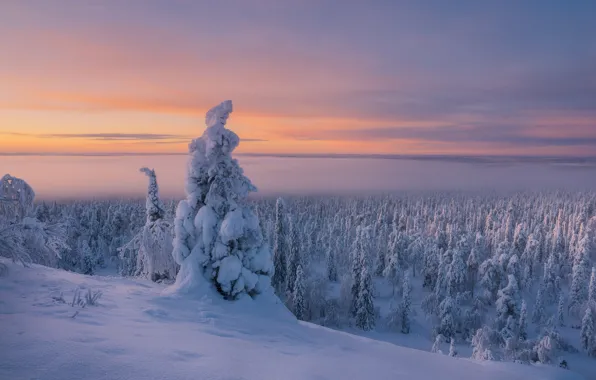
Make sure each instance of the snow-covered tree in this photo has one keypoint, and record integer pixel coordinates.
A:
(447, 317)
(217, 236)
(280, 247)
(587, 331)
(592, 286)
(154, 260)
(452, 348)
(436, 348)
(294, 257)
(508, 302)
(298, 302)
(365, 311)
(561, 310)
(406, 305)
(538, 312)
(578, 292)
(523, 321)
(23, 238)
(483, 345)
(456, 277)
(331, 265)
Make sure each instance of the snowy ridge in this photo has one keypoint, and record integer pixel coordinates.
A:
(135, 332)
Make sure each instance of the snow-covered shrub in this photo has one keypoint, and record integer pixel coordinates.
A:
(217, 235)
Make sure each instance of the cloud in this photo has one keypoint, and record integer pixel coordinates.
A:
(139, 137)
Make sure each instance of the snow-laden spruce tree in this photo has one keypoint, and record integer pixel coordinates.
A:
(280, 248)
(154, 242)
(508, 302)
(578, 292)
(592, 287)
(587, 332)
(406, 305)
(523, 322)
(217, 235)
(298, 301)
(452, 348)
(365, 308)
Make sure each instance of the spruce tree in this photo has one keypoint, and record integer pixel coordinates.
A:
(298, 300)
(365, 313)
(280, 248)
(561, 311)
(452, 348)
(508, 302)
(592, 286)
(587, 331)
(538, 312)
(218, 241)
(406, 304)
(294, 258)
(523, 322)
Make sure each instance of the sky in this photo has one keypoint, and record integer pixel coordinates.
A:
(318, 78)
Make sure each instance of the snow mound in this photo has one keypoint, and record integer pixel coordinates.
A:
(134, 332)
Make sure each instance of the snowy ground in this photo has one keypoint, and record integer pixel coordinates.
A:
(136, 333)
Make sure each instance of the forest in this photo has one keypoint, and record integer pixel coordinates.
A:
(510, 275)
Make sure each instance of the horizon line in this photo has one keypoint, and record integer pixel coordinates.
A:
(554, 159)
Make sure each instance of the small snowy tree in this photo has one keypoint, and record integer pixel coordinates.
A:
(217, 235)
(436, 348)
(280, 247)
(452, 348)
(298, 301)
(482, 344)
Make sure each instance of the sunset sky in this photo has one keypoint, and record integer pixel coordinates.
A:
(411, 77)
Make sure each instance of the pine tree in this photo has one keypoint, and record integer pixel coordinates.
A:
(218, 241)
(280, 248)
(406, 305)
(452, 349)
(523, 322)
(587, 331)
(299, 294)
(365, 313)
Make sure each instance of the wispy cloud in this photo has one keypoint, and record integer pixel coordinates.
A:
(139, 137)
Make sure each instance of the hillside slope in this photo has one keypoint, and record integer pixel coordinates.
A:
(136, 333)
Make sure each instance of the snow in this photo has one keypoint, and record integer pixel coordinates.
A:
(138, 332)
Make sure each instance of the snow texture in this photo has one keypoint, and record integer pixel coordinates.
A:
(134, 332)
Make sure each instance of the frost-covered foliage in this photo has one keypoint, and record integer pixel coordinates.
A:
(217, 235)
(24, 238)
